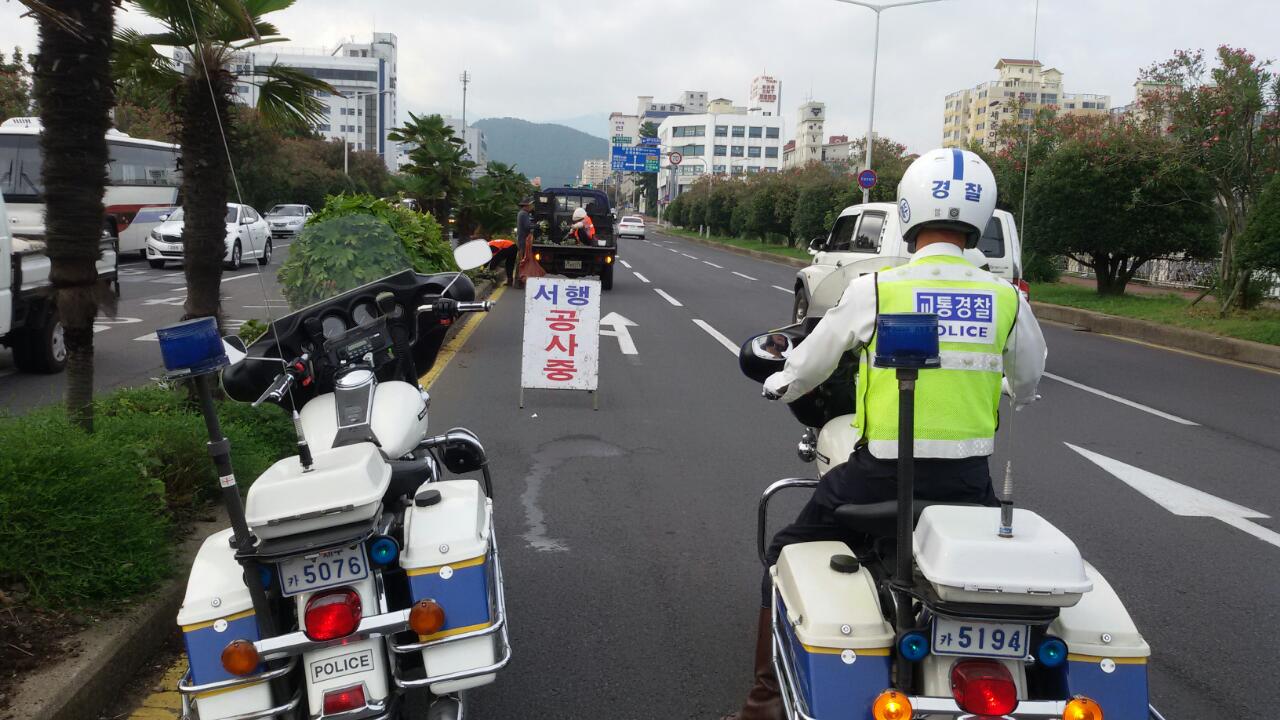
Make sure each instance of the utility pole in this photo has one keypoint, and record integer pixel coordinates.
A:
(465, 77)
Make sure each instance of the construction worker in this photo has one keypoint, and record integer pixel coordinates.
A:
(583, 231)
(986, 331)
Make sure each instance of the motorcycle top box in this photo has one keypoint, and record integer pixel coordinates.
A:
(958, 551)
(345, 485)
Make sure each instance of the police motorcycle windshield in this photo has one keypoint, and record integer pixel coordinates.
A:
(337, 271)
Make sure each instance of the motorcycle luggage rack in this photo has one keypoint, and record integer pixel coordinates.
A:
(314, 541)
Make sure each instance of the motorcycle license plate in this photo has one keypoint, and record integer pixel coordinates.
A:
(327, 569)
(572, 264)
(983, 639)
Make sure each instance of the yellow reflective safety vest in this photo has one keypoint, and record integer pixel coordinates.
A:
(957, 405)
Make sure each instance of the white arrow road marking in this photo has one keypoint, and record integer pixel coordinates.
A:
(748, 277)
(625, 264)
(102, 324)
(176, 300)
(1122, 401)
(779, 287)
(668, 298)
(619, 325)
(708, 262)
(1182, 500)
(642, 278)
(729, 344)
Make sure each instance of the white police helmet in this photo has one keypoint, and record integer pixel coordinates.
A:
(946, 188)
(579, 213)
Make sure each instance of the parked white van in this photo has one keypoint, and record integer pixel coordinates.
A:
(868, 238)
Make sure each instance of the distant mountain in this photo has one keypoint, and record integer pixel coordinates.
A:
(591, 124)
(552, 152)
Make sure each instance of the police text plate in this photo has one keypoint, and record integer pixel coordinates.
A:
(327, 569)
(982, 639)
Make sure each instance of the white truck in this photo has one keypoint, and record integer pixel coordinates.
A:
(868, 238)
(29, 321)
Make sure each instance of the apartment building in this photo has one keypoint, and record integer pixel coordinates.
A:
(727, 144)
(594, 172)
(362, 112)
(972, 114)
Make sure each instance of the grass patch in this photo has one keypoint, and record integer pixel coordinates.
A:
(91, 520)
(1259, 325)
(772, 248)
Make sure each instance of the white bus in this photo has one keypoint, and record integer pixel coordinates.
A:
(141, 173)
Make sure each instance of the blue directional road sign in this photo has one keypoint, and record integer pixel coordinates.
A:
(867, 179)
(635, 159)
(650, 141)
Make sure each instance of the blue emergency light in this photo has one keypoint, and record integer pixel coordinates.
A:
(192, 347)
(907, 341)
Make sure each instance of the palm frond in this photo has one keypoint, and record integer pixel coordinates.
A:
(286, 96)
(136, 64)
(65, 22)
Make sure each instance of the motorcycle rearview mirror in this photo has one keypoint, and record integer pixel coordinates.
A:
(235, 349)
(473, 254)
(771, 346)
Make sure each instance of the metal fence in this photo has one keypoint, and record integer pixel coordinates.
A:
(1172, 273)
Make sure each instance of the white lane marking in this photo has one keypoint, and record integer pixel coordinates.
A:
(642, 278)
(779, 287)
(239, 277)
(729, 345)
(668, 298)
(1122, 401)
(673, 250)
(625, 264)
(708, 262)
(689, 256)
(101, 324)
(1182, 500)
(620, 331)
(748, 277)
(175, 301)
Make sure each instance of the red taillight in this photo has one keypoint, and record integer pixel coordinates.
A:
(336, 701)
(333, 614)
(984, 688)
(1024, 288)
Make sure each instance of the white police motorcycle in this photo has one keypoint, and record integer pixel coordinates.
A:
(940, 610)
(353, 572)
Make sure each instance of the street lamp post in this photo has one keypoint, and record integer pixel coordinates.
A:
(875, 60)
(346, 144)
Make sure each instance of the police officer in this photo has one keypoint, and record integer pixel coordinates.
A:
(986, 331)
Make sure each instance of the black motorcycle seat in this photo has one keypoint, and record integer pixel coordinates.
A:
(880, 519)
(406, 477)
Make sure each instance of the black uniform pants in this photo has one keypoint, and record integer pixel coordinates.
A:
(865, 478)
(506, 258)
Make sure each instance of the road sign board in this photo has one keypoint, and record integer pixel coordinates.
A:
(635, 159)
(675, 158)
(561, 334)
(650, 141)
(867, 179)
(621, 140)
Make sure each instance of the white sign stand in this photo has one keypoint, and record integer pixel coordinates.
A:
(561, 336)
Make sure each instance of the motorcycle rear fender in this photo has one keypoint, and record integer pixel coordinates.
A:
(363, 662)
(836, 440)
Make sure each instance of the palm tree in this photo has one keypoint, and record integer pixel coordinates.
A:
(210, 35)
(74, 93)
(438, 165)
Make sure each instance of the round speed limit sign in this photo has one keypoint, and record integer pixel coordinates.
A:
(675, 158)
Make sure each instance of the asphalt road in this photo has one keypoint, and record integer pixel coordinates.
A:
(125, 348)
(628, 533)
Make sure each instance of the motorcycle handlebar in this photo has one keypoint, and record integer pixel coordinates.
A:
(284, 381)
(462, 307)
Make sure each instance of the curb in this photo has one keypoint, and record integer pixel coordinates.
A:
(757, 254)
(108, 654)
(1245, 351)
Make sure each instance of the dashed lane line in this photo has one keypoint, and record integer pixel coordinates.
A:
(625, 264)
(748, 277)
(668, 298)
(719, 336)
(779, 287)
(643, 279)
(689, 256)
(673, 250)
(708, 262)
(1122, 401)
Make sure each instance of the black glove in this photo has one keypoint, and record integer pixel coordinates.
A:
(446, 309)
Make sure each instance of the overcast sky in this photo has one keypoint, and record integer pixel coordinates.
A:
(552, 59)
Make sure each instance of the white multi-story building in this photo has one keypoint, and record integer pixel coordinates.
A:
(809, 135)
(362, 112)
(477, 148)
(594, 172)
(731, 145)
(766, 96)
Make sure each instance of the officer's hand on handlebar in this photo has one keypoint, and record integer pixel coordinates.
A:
(445, 309)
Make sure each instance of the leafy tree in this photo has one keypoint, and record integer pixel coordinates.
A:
(74, 93)
(1119, 199)
(1227, 121)
(1260, 241)
(438, 164)
(820, 191)
(489, 206)
(890, 161)
(15, 86)
(209, 35)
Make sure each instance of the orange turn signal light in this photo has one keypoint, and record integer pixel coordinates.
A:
(1082, 708)
(426, 617)
(240, 658)
(537, 256)
(608, 259)
(891, 705)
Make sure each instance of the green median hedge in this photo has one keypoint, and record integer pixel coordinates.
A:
(93, 519)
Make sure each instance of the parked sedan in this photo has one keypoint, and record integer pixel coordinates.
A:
(247, 238)
(286, 221)
(631, 226)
